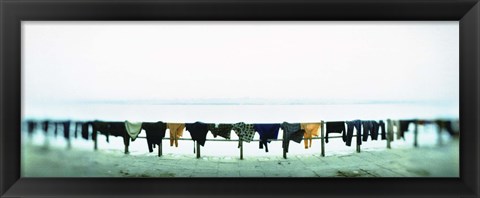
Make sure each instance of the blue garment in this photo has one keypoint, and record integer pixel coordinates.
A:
(367, 129)
(266, 132)
(350, 125)
(382, 127)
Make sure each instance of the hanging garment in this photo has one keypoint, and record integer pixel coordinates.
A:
(381, 125)
(357, 124)
(222, 130)
(267, 132)
(198, 131)
(336, 127)
(102, 127)
(374, 132)
(31, 126)
(245, 132)
(133, 129)
(447, 125)
(66, 129)
(86, 130)
(176, 131)
(45, 126)
(117, 129)
(291, 131)
(55, 129)
(311, 129)
(155, 133)
(404, 124)
(78, 129)
(367, 129)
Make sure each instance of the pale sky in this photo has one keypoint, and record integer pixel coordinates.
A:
(328, 61)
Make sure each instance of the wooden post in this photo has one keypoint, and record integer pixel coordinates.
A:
(358, 140)
(389, 127)
(160, 149)
(95, 144)
(46, 142)
(69, 143)
(388, 140)
(415, 135)
(284, 146)
(440, 127)
(198, 150)
(126, 142)
(241, 149)
(322, 139)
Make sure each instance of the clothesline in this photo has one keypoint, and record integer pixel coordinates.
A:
(296, 132)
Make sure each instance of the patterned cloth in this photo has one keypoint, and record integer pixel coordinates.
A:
(222, 130)
(244, 131)
(133, 129)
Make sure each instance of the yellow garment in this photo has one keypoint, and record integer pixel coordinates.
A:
(176, 131)
(311, 129)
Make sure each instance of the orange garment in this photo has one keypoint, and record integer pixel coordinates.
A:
(176, 131)
(311, 129)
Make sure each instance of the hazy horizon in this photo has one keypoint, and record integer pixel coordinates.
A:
(262, 63)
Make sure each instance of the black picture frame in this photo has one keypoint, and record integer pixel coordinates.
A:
(12, 12)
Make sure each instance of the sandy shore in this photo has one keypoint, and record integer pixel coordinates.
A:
(427, 161)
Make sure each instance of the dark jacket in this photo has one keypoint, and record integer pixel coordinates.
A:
(198, 131)
(292, 131)
(335, 127)
(155, 133)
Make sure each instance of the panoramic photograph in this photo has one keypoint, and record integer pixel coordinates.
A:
(181, 99)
